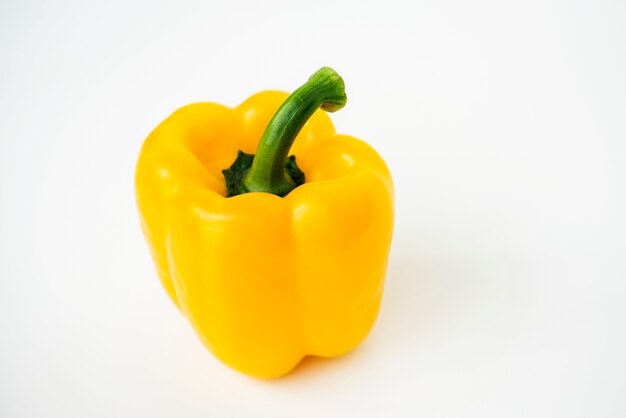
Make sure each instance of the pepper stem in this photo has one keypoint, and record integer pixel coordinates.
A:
(324, 89)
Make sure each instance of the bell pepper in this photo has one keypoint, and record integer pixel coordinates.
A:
(271, 258)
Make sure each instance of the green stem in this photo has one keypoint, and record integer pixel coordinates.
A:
(324, 89)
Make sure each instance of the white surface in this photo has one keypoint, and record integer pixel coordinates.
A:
(504, 126)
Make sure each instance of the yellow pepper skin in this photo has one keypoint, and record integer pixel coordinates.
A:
(266, 280)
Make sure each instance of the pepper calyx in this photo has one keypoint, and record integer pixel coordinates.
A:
(235, 174)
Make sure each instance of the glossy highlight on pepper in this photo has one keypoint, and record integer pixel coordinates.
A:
(266, 280)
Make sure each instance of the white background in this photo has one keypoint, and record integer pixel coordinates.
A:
(504, 126)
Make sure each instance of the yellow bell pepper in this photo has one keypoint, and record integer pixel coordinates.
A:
(293, 263)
